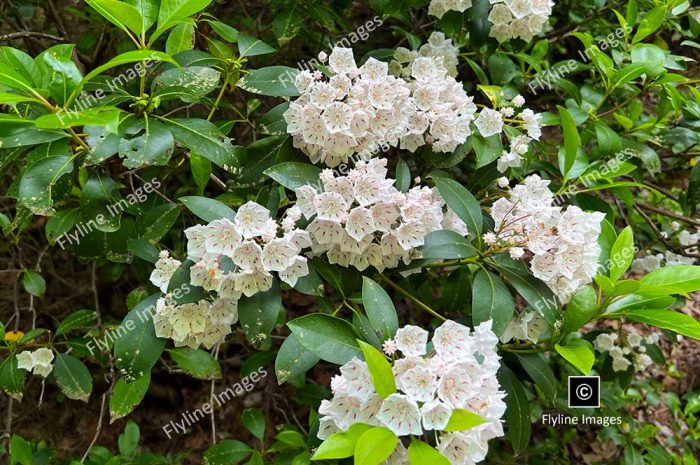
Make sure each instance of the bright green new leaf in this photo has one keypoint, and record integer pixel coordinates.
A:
(580, 355)
(420, 453)
(375, 446)
(380, 370)
(340, 445)
(462, 419)
(622, 253)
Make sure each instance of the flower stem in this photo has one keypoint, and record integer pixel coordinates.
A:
(412, 298)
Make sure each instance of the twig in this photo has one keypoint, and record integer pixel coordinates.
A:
(676, 216)
(99, 427)
(95, 295)
(27, 34)
(412, 298)
(660, 235)
(211, 402)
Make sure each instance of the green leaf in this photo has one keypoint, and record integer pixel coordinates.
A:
(61, 75)
(12, 99)
(181, 38)
(629, 73)
(293, 175)
(258, 314)
(491, 300)
(580, 310)
(462, 419)
(20, 451)
(203, 137)
(650, 23)
(137, 348)
(173, 12)
(539, 370)
(148, 10)
(403, 176)
(208, 209)
(39, 180)
(99, 196)
(249, 46)
(341, 445)
(201, 171)
(329, 338)
(34, 283)
(446, 244)
(12, 378)
(420, 453)
(144, 58)
(126, 396)
(153, 147)
(571, 139)
(640, 301)
(225, 31)
(463, 203)
(666, 319)
(189, 83)
(380, 309)
(287, 24)
(156, 222)
(196, 362)
(254, 421)
(77, 320)
(517, 411)
(121, 14)
(107, 117)
(293, 360)
(226, 452)
(380, 370)
(73, 377)
(622, 253)
(679, 278)
(375, 446)
(580, 354)
(272, 123)
(128, 441)
(534, 291)
(273, 81)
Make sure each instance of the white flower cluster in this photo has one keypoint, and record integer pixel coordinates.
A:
(527, 326)
(531, 122)
(438, 46)
(651, 261)
(231, 258)
(632, 347)
(38, 362)
(362, 220)
(522, 19)
(562, 244)
(364, 110)
(194, 324)
(459, 374)
(440, 7)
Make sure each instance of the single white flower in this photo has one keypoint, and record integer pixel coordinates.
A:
(411, 340)
(401, 415)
